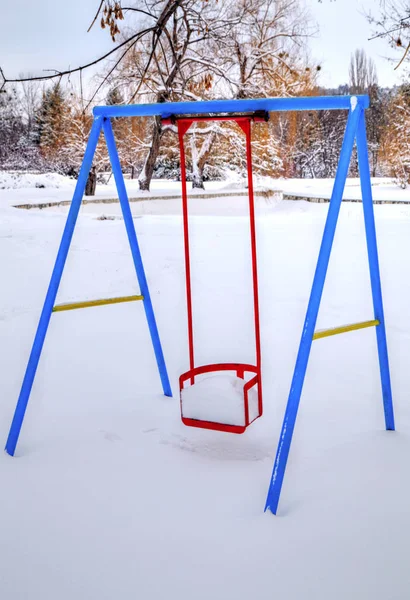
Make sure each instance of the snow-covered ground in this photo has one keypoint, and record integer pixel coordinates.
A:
(384, 189)
(31, 189)
(110, 496)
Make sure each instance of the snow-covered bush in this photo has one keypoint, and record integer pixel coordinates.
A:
(16, 180)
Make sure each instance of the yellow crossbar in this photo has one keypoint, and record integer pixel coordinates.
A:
(102, 302)
(322, 333)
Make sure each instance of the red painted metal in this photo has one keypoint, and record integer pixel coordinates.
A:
(240, 370)
(182, 129)
(247, 130)
(239, 119)
(244, 122)
(214, 426)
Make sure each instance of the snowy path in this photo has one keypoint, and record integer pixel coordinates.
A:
(112, 497)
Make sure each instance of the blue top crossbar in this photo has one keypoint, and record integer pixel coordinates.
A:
(167, 109)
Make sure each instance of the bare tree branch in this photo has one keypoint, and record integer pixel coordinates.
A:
(135, 37)
(384, 33)
(3, 83)
(117, 62)
(139, 10)
(393, 19)
(403, 57)
(169, 9)
(96, 16)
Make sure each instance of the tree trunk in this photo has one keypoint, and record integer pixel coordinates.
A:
(91, 183)
(198, 178)
(199, 158)
(148, 169)
(375, 162)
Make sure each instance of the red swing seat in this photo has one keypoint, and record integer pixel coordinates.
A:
(252, 406)
(240, 370)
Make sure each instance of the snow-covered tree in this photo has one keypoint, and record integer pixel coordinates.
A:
(215, 49)
(11, 125)
(17, 149)
(363, 80)
(30, 99)
(377, 122)
(318, 143)
(131, 134)
(395, 145)
(192, 49)
(114, 97)
(51, 121)
(264, 51)
(362, 72)
(159, 70)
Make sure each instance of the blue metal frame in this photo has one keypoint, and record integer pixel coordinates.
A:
(355, 129)
(230, 106)
(371, 239)
(98, 124)
(136, 254)
(52, 289)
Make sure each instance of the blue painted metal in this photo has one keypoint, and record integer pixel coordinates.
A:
(230, 106)
(289, 420)
(52, 290)
(363, 159)
(136, 255)
(355, 128)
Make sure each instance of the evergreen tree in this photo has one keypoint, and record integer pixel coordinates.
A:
(114, 96)
(52, 120)
(17, 150)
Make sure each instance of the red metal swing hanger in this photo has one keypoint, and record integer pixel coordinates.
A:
(244, 121)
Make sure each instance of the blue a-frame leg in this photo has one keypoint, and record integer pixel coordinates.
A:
(363, 159)
(99, 122)
(355, 129)
(136, 254)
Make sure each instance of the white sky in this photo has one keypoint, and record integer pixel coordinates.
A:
(343, 28)
(55, 37)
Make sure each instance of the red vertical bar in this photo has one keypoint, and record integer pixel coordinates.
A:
(246, 127)
(182, 129)
(246, 407)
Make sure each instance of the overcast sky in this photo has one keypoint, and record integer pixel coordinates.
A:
(342, 29)
(55, 37)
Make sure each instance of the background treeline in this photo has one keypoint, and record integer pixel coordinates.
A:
(232, 49)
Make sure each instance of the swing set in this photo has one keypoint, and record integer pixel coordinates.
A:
(245, 123)
(243, 113)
